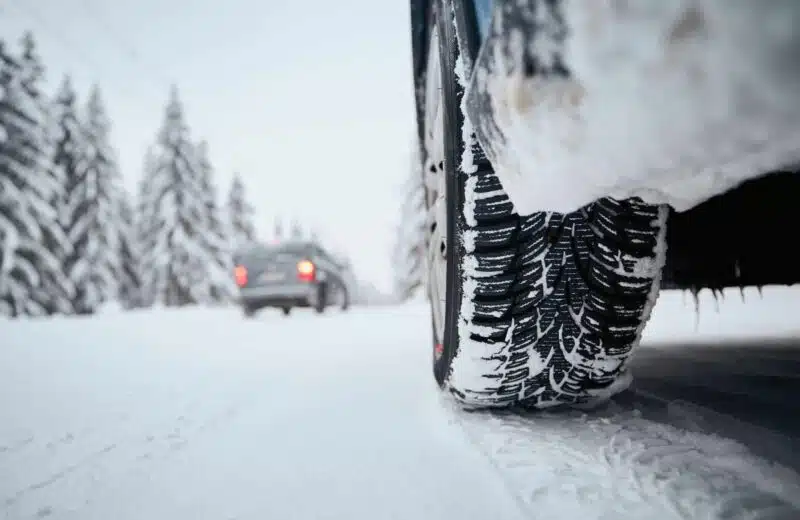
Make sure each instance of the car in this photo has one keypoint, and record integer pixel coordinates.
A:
(289, 274)
(577, 158)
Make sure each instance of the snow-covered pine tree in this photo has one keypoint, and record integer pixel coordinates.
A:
(409, 256)
(105, 191)
(31, 241)
(403, 285)
(77, 212)
(128, 277)
(240, 215)
(151, 239)
(297, 230)
(215, 233)
(18, 273)
(56, 290)
(175, 257)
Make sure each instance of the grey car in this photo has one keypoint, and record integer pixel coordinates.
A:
(287, 275)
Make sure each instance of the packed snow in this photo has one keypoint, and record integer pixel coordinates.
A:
(705, 99)
(200, 413)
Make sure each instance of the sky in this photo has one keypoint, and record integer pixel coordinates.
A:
(311, 102)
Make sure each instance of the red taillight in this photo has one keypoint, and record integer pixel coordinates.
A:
(306, 271)
(240, 274)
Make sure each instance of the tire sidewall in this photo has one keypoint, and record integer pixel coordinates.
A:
(453, 145)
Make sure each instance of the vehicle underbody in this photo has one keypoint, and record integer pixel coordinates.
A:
(742, 238)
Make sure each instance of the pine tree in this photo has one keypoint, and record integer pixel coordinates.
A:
(31, 279)
(18, 273)
(297, 230)
(214, 234)
(410, 250)
(240, 214)
(150, 237)
(77, 212)
(129, 280)
(56, 290)
(174, 257)
(105, 196)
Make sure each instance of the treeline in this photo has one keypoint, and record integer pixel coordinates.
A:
(72, 238)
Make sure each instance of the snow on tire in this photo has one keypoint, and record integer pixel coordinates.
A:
(541, 310)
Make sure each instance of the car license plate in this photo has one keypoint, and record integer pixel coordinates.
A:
(272, 277)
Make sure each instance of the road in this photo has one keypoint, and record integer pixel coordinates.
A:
(732, 368)
(203, 414)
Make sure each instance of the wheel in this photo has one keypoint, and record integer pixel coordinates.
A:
(345, 299)
(539, 310)
(286, 310)
(322, 296)
(248, 311)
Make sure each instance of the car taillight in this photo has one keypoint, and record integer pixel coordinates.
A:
(306, 271)
(240, 274)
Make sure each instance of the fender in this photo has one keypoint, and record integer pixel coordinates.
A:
(672, 102)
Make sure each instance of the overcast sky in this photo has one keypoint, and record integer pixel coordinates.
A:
(311, 101)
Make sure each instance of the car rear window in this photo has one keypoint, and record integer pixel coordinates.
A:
(276, 252)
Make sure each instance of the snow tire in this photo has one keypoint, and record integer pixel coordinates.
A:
(541, 310)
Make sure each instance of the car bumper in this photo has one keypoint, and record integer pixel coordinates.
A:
(267, 294)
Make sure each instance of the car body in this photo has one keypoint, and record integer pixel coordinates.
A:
(288, 274)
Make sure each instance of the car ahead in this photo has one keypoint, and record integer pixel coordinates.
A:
(577, 157)
(287, 275)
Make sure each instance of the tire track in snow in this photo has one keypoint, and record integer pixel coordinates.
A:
(765, 442)
(615, 464)
(124, 453)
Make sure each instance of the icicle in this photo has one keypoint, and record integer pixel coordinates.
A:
(737, 271)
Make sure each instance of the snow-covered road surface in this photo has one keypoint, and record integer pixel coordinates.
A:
(202, 414)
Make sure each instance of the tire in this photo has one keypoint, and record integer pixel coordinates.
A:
(540, 310)
(322, 296)
(248, 311)
(345, 298)
(286, 310)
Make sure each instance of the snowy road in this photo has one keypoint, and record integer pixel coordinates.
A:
(200, 414)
